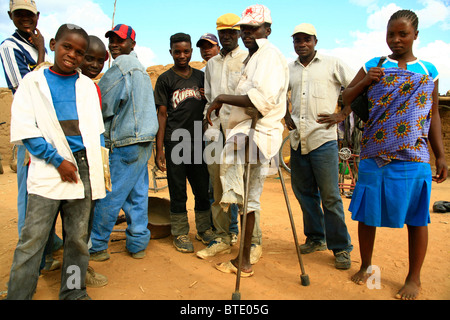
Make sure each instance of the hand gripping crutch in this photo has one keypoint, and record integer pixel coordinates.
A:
(248, 139)
(303, 277)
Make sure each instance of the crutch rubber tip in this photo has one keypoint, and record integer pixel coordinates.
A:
(236, 296)
(305, 280)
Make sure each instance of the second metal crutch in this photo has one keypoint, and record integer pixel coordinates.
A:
(304, 278)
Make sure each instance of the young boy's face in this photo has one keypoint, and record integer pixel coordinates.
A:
(69, 52)
(24, 20)
(119, 46)
(208, 50)
(94, 61)
(181, 53)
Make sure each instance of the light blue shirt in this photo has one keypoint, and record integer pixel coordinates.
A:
(417, 66)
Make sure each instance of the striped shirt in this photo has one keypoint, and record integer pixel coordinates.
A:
(18, 57)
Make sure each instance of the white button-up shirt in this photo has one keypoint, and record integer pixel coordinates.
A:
(265, 80)
(315, 89)
(222, 75)
(33, 116)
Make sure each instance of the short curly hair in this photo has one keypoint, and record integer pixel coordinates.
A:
(68, 27)
(180, 37)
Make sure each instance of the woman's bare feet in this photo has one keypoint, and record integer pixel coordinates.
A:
(410, 290)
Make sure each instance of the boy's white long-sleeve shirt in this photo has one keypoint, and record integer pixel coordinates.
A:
(33, 115)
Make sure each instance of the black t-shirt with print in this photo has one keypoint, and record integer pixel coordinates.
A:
(181, 95)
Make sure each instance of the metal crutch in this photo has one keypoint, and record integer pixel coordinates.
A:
(236, 294)
(304, 278)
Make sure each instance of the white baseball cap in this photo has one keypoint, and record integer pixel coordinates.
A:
(255, 15)
(305, 28)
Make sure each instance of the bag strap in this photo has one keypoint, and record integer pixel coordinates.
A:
(382, 59)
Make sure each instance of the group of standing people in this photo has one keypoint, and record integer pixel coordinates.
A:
(68, 124)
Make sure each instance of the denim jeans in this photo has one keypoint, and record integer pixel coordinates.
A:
(234, 210)
(22, 195)
(315, 182)
(40, 217)
(129, 179)
(22, 198)
(198, 177)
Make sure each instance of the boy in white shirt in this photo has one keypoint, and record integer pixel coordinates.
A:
(56, 115)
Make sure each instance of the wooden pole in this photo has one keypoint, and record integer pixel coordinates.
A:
(114, 14)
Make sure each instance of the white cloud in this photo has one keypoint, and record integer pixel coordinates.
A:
(435, 12)
(438, 53)
(86, 14)
(378, 19)
(145, 55)
(366, 45)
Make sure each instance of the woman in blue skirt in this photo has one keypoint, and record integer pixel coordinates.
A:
(395, 176)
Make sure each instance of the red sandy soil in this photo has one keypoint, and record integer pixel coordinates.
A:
(165, 274)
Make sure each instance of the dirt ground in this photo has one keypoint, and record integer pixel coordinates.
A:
(165, 274)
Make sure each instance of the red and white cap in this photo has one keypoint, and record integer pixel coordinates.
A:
(123, 31)
(255, 15)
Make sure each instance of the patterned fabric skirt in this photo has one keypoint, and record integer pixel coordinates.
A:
(392, 195)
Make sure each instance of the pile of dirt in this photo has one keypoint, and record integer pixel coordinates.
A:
(155, 71)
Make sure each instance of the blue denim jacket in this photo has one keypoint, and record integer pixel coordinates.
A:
(128, 104)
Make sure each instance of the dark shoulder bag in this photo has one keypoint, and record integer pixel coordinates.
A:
(360, 106)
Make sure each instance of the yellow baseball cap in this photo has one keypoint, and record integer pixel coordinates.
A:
(305, 28)
(228, 21)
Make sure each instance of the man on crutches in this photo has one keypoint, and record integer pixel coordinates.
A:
(260, 96)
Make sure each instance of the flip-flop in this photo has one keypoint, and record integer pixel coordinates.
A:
(228, 267)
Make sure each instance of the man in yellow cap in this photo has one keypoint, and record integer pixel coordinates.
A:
(222, 74)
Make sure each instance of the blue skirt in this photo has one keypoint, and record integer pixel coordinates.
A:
(393, 195)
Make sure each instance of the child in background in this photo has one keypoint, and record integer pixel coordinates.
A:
(56, 115)
(94, 60)
(403, 118)
(20, 54)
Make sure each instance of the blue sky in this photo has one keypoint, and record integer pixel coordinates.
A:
(353, 30)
